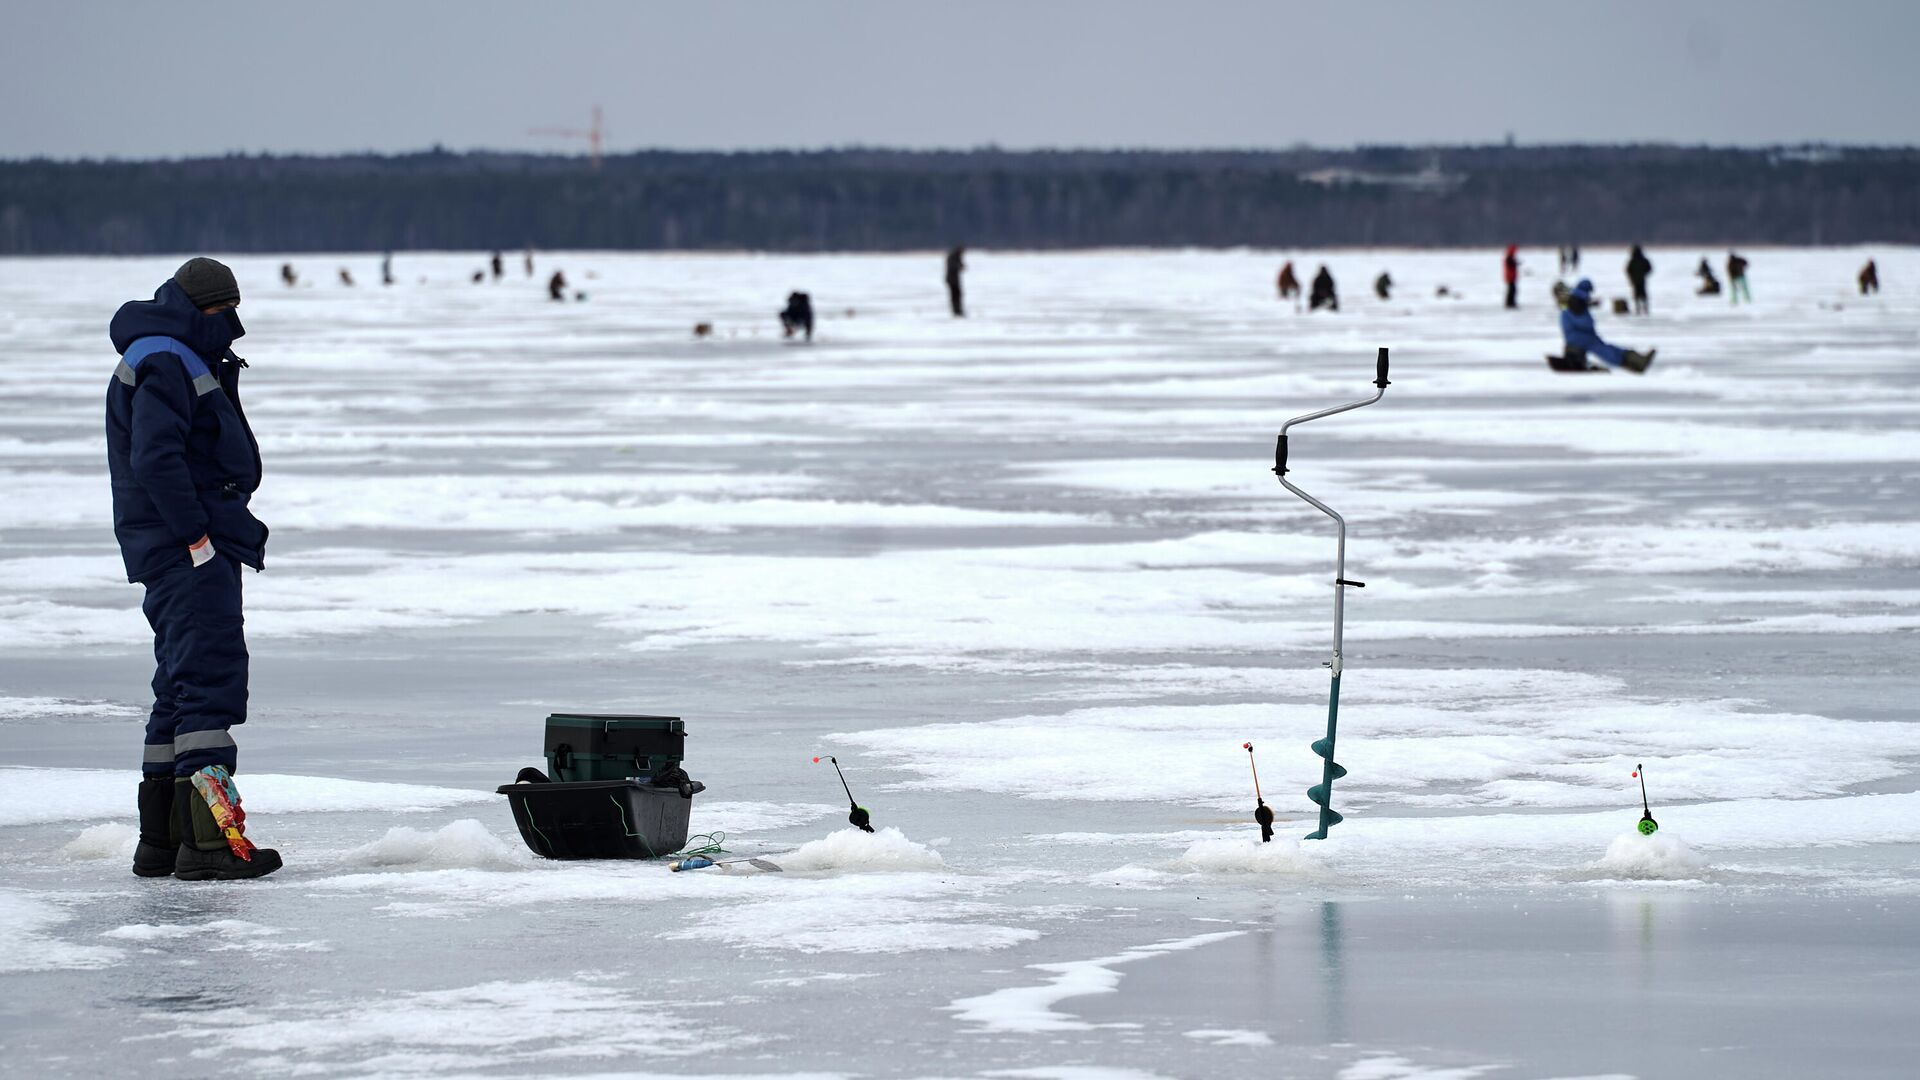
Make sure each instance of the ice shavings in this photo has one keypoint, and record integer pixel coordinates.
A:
(1660, 857)
(463, 843)
(1283, 856)
(108, 840)
(851, 851)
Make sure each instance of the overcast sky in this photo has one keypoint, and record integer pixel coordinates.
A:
(147, 79)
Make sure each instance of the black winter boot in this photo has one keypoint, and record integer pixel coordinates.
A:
(154, 855)
(204, 854)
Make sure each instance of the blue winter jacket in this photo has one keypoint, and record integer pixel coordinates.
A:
(182, 459)
(1576, 319)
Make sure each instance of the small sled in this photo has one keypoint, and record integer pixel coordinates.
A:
(1575, 362)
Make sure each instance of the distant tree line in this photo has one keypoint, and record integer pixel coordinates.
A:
(881, 200)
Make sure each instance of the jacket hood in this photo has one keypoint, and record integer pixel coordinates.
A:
(171, 314)
(1512, 250)
(1584, 290)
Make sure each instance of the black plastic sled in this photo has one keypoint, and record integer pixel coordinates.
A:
(602, 819)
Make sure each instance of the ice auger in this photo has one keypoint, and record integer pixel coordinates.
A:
(1322, 793)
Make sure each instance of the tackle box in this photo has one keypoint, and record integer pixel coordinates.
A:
(588, 746)
(601, 819)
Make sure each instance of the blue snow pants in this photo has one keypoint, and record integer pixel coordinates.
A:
(200, 667)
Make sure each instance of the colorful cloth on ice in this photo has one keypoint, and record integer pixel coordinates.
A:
(216, 786)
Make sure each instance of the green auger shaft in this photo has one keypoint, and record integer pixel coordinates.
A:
(1322, 792)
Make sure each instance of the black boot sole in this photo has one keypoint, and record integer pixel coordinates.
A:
(194, 865)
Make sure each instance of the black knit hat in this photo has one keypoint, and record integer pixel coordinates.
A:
(207, 282)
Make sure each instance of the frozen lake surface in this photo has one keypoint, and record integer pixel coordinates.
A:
(1029, 577)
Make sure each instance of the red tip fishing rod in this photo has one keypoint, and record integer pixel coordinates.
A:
(858, 816)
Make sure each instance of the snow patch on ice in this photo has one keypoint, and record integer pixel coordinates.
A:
(31, 796)
(740, 818)
(463, 843)
(1394, 1067)
(108, 840)
(520, 1026)
(26, 925)
(175, 931)
(1230, 1037)
(851, 851)
(1031, 1009)
(34, 708)
(1660, 857)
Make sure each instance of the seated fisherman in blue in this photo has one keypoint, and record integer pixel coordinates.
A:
(1576, 326)
(184, 465)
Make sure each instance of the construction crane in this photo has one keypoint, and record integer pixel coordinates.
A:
(595, 135)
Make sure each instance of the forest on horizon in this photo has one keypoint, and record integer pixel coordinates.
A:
(890, 200)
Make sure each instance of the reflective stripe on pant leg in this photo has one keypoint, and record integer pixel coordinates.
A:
(162, 605)
(209, 664)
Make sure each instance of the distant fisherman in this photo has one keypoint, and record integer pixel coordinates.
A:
(956, 265)
(1510, 273)
(1289, 284)
(1869, 278)
(1383, 286)
(184, 465)
(1638, 267)
(1576, 327)
(1323, 294)
(557, 286)
(1709, 285)
(499, 268)
(798, 316)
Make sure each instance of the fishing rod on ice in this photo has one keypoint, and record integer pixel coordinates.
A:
(1262, 813)
(1322, 793)
(858, 816)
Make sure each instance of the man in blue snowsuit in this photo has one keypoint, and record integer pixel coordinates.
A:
(1576, 326)
(184, 465)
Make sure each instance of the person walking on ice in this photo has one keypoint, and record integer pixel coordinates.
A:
(1737, 278)
(1576, 327)
(1638, 267)
(956, 265)
(184, 465)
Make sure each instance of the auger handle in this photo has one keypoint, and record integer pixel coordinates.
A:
(1380, 369)
(1280, 457)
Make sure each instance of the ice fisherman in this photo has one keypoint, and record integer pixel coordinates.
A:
(1576, 327)
(1869, 278)
(1510, 273)
(1383, 286)
(798, 315)
(956, 265)
(497, 265)
(557, 286)
(1709, 285)
(1638, 267)
(184, 465)
(1737, 278)
(1323, 294)
(1289, 284)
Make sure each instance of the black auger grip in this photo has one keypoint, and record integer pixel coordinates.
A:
(1280, 457)
(1380, 369)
